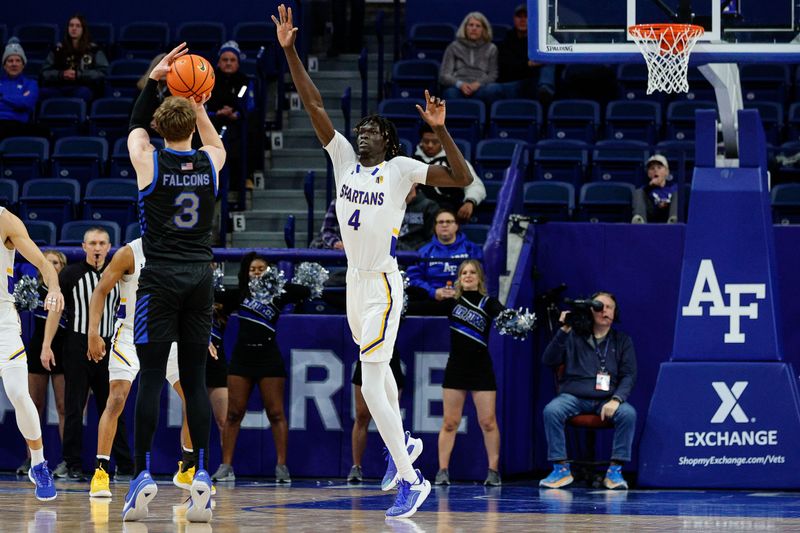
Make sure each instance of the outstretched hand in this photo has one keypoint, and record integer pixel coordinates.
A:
(287, 32)
(434, 111)
(159, 72)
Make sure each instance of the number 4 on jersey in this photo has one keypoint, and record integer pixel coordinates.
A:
(354, 220)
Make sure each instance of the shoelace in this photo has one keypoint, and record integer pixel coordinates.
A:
(43, 477)
(402, 494)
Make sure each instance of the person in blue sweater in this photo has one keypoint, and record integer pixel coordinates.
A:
(18, 94)
(431, 281)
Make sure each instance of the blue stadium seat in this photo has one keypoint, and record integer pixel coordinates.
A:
(37, 38)
(493, 156)
(121, 161)
(620, 161)
(549, 200)
(476, 233)
(204, 38)
(573, 119)
(638, 120)
(9, 193)
(793, 124)
(786, 203)
(429, 40)
(80, 158)
(680, 118)
(403, 113)
(465, 147)
(606, 202)
(407, 147)
(410, 78)
(765, 81)
(103, 36)
(787, 173)
(51, 199)
(143, 40)
(632, 81)
(111, 199)
(699, 87)
(771, 114)
(466, 119)
(132, 232)
(109, 118)
(33, 68)
(251, 36)
(72, 232)
(123, 75)
(516, 119)
(675, 151)
(63, 116)
(555, 160)
(499, 32)
(42, 232)
(23, 158)
(3, 33)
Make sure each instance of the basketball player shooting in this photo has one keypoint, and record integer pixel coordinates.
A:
(372, 186)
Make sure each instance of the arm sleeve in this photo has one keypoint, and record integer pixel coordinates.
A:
(494, 307)
(553, 355)
(627, 370)
(26, 100)
(341, 153)
(417, 278)
(446, 73)
(411, 171)
(145, 106)
(475, 191)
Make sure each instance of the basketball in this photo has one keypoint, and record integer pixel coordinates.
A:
(191, 76)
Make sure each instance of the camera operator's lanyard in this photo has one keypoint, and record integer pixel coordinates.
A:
(603, 378)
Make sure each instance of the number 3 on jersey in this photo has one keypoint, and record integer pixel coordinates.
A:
(187, 216)
(354, 220)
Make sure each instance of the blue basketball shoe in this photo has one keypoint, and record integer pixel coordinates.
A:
(413, 447)
(409, 497)
(41, 477)
(141, 492)
(199, 509)
(614, 479)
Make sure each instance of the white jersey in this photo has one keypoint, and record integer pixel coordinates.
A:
(7, 266)
(128, 286)
(371, 203)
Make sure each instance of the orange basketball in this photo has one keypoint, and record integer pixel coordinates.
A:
(191, 76)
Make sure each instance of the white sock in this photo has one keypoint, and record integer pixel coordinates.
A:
(37, 456)
(106, 457)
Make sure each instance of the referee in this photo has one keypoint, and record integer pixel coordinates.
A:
(78, 280)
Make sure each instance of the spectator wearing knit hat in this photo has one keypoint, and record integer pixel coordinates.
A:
(658, 200)
(18, 94)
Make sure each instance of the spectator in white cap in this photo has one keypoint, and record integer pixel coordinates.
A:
(18, 94)
(658, 200)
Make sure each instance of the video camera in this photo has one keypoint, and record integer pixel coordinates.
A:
(580, 317)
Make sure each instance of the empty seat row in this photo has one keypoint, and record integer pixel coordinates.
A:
(45, 233)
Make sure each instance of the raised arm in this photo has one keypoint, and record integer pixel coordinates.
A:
(212, 144)
(458, 174)
(309, 94)
(122, 263)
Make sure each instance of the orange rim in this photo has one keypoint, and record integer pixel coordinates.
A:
(672, 41)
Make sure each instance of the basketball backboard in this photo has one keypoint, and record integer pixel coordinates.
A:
(591, 31)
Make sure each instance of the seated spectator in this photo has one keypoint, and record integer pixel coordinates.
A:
(462, 201)
(432, 280)
(77, 67)
(599, 371)
(417, 227)
(658, 200)
(519, 76)
(18, 95)
(330, 236)
(469, 65)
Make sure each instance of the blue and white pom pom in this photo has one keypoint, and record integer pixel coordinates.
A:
(311, 275)
(405, 294)
(269, 286)
(219, 279)
(26, 293)
(516, 323)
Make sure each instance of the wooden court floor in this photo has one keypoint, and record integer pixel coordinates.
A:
(330, 505)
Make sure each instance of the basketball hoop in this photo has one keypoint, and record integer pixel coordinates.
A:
(666, 49)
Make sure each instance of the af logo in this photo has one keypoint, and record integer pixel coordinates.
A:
(729, 398)
(706, 276)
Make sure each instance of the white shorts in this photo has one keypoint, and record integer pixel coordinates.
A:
(12, 351)
(124, 363)
(374, 303)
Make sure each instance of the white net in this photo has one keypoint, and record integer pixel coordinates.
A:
(666, 49)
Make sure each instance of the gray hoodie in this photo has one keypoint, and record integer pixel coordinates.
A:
(468, 61)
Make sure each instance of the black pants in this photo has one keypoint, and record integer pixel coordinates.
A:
(81, 374)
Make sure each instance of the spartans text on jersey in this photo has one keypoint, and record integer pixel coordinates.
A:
(361, 197)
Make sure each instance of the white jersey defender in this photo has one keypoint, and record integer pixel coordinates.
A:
(370, 204)
(124, 363)
(12, 351)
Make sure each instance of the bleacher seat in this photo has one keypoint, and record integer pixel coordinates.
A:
(476, 233)
(9, 193)
(793, 124)
(403, 113)
(37, 38)
(466, 119)
(620, 161)
(33, 68)
(3, 33)
(51, 199)
(465, 147)
(251, 36)
(63, 116)
(109, 118)
(516, 119)
(123, 75)
(143, 40)
(787, 172)
(771, 114)
(573, 119)
(204, 38)
(549, 200)
(410, 78)
(80, 158)
(499, 32)
(566, 161)
(606, 201)
(132, 232)
(120, 159)
(103, 36)
(765, 81)
(699, 87)
(407, 147)
(23, 158)
(786, 203)
(675, 151)
(72, 232)
(681, 119)
(632, 81)
(42, 232)
(111, 199)
(493, 156)
(429, 40)
(638, 120)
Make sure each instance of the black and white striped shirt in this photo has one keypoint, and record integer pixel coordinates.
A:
(77, 281)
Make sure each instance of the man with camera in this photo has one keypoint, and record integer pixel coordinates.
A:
(596, 366)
